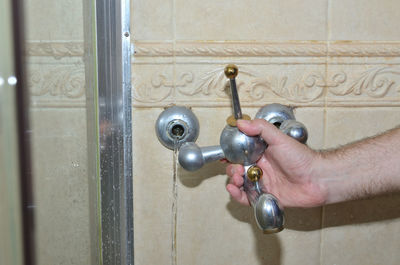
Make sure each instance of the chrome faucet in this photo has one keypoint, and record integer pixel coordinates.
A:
(237, 148)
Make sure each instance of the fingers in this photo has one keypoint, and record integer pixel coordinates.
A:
(237, 180)
(233, 169)
(235, 172)
(237, 194)
(268, 131)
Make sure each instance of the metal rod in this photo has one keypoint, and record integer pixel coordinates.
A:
(235, 100)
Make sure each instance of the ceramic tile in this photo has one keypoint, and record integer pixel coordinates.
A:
(153, 84)
(358, 83)
(56, 82)
(211, 229)
(61, 186)
(152, 183)
(258, 84)
(253, 20)
(345, 125)
(214, 229)
(151, 20)
(51, 20)
(385, 52)
(264, 50)
(363, 231)
(360, 20)
(313, 119)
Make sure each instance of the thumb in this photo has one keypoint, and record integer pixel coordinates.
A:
(266, 130)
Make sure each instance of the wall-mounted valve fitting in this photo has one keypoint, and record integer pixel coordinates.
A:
(178, 125)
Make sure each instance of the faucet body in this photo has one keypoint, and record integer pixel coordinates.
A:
(239, 148)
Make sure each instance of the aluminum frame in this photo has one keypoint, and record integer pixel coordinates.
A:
(108, 71)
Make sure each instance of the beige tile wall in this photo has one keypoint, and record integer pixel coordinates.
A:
(54, 31)
(59, 157)
(360, 20)
(363, 231)
(337, 62)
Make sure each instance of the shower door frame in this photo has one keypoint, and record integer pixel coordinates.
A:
(108, 86)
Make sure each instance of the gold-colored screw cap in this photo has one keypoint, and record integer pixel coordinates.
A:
(232, 121)
(254, 173)
(231, 71)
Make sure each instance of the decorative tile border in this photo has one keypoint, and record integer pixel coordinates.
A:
(306, 83)
(364, 49)
(61, 85)
(249, 49)
(55, 49)
(377, 85)
(243, 49)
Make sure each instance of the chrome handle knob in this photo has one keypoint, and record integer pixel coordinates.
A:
(268, 213)
(283, 118)
(295, 129)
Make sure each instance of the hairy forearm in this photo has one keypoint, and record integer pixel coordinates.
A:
(361, 169)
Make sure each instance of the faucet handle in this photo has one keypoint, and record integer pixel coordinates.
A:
(283, 118)
(269, 214)
(192, 157)
(231, 71)
(295, 129)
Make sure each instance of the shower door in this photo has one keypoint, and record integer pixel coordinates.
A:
(79, 137)
(56, 82)
(11, 246)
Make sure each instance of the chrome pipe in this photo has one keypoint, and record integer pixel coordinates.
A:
(191, 157)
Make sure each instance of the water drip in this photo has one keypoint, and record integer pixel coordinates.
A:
(174, 203)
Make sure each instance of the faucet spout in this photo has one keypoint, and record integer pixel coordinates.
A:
(192, 157)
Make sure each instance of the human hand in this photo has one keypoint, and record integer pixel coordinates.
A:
(289, 168)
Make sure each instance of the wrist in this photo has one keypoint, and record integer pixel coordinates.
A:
(322, 177)
(333, 176)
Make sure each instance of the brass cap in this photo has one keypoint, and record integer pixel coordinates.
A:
(254, 173)
(231, 121)
(231, 71)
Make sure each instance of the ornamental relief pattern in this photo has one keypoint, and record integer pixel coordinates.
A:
(186, 48)
(57, 83)
(57, 50)
(375, 82)
(60, 85)
(65, 84)
(212, 87)
(279, 49)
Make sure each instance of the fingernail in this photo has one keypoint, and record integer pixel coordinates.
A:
(243, 122)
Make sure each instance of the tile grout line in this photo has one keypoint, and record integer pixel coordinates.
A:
(174, 209)
(328, 40)
(174, 47)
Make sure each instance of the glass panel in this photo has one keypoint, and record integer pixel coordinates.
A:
(56, 80)
(10, 206)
